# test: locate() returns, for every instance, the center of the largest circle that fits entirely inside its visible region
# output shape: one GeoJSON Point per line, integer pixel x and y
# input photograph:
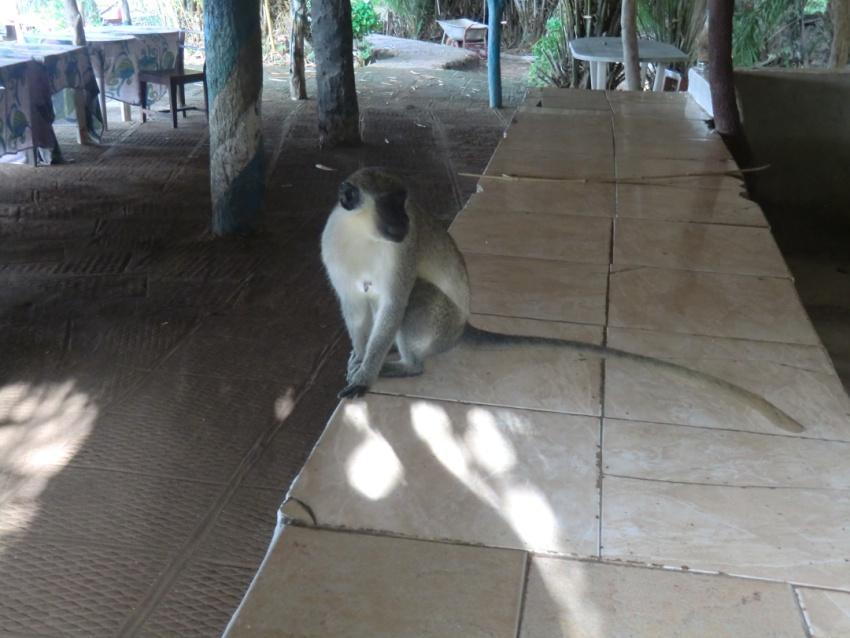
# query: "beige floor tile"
{"type": "Point", "coordinates": [696, 455]}
{"type": "Point", "coordinates": [827, 612]}
{"type": "Point", "coordinates": [721, 305]}
{"type": "Point", "coordinates": [701, 149]}
{"type": "Point", "coordinates": [320, 583]}
{"type": "Point", "coordinates": [527, 159]}
{"type": "Point", "coordinates": [705, 247]}
{"type": "Point", "coordinates": [556, 198]}
{"type": "Point", "coordinates": [664, 111]}
{"type": "Point", "coordinates": [799, 380]}
{"type": "Point", "coordinates": [563, 237]}
{"type": "Point", "coordinates": [537, 288]}
{"type": "Point", "coordinates": [592, 600]}
{"type": "Point", "coordinates": [583, 131]}
{"type": "Point", "coordinates": [785, 534]}
{"type": "Point", "coordinates": [518, 376]}
{"type": "Point", "coordinates": [685, 204]}
{"type": "Point", "coordinates": [655, 128]}
{"type": "Point", "coordinates": [449, 471]}
{"type": "Point", "coordinates": [574, 99]}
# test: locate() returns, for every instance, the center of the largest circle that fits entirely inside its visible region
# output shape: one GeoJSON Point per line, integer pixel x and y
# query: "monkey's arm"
{"type": "Point", "coordinates": [385, 328]}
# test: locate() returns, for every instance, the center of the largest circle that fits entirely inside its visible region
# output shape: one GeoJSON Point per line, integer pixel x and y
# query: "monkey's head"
{"type": "Point", "coordinates": [382, 192]}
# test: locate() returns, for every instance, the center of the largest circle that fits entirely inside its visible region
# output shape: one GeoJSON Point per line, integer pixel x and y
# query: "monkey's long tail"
{"type": "Point", "coordinates": [779, 418]}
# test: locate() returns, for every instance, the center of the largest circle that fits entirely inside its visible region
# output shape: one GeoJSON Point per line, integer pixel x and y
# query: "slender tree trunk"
{"type": "Point", "coordinates": [126, 18]}
{"type": "Point", "coordinates": [333, 43]}
{"type": "Point", "coordinates": [631, 62]}
{"type": "Point", "coordinates": [840, 50]}
{"type": "Point", "coordinates": [721, 76]}
{"type": "Point", "coordinates": [233, 40]}
{"type": "Point", "coordinates": [494, 51]}
{"type": "Point", "coordinates": [75, 21]}
{"type": "Point", "coordinates": [297, 82]}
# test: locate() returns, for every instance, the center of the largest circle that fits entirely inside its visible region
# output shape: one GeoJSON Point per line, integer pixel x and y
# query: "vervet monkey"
{"type": "Point", "coordinates": [401, 280]}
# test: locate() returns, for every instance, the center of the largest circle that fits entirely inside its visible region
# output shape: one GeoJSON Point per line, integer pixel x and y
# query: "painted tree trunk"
{"type": "Point", "coordinates": [235, 80]}
{"type": "Point", "coordinates": [297, 83]}
{"type": "Point", "coordinates": [840, 50]}
{"type": "Point", "coordinates": [721, 76]}
{"type": "Point", "coordinates": [333, 43]}
{"type": "Point", "coordinates": [631, 62]}
{"type": "Point", "coordinates": [126, 18]}
{"type": "Point", "coordinates": [75, 21]}
{"type": "Point", "coordinates": [494, 51]}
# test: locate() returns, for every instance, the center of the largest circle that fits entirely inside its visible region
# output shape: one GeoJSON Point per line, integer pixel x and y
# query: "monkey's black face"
{"type": "Point", "coordinates": [349, 196]}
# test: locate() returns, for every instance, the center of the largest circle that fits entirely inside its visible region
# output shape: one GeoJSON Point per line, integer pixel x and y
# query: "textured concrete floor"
{"type": "Point", "coordinates": [160, 388]}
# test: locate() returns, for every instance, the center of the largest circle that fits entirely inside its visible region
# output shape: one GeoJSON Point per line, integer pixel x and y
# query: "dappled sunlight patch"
{"type": "Point", "coordinates": [373, 468]}
{"type": "Point", "coordinates": [41, 429]}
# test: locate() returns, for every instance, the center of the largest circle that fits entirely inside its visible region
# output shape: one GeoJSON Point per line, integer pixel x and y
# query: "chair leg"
{"type": "Point", "coordinates": [172, 94]}
{"type": "Point", "coordinates": [183, 99]}
{"type": "Point", "coordinates": [143, 100]}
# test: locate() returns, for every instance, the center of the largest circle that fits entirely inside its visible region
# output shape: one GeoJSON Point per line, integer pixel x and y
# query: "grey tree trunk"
{"type": "Point", "coordinates": [840, 50]}
{"type": "Point", "coordinates": [297, 83]}
{"type": "Point", "coordinates": [235, 80]}
{"type": "Point", "coordinates": [75, 21]}
{"type": "Point", "coordinates": [721, 76]}
{"type": "Point", "coordinates": [126, 18]}
{"type": "Point", "coordinates": [628, 22]}
{"type": "Point", "coordinates": [333, 43]}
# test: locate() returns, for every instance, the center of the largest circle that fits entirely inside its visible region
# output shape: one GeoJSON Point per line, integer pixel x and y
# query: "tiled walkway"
{"type": "Point", "coordinates": [542, 492]}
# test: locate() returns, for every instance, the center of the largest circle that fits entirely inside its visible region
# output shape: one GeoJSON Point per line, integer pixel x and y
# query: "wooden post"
{"type": "Point", "coordinates": [721, 76]}
{"type": "Point", "coordinates": [125, 12]}
{"type": "Point", "coordinates": [840, 49]}
{"type": "Point", "coordinates": [75, 21]}
{"type": "Point", "coordinates": [494, 52]}
{"type": "Point", "coordinates": [333, 44]}
{"type": "Point", "coordinates": [297, 82]}
{"type": "Point", "coordinates": [235, 79]}
{"type": "Point", "coordinates": [628, 22]}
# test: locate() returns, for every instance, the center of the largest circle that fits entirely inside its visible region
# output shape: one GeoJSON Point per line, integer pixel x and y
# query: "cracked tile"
{"type": "Point", "coordinates": [828, 612]}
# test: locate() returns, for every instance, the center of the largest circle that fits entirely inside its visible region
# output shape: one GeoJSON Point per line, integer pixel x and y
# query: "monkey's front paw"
{"type": "Point", "coordinates": [352, 391]}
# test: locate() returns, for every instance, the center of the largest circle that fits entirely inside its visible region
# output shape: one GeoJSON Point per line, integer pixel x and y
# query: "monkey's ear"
{"type": "Point", "coordinates": [393, 222]}
{"type": "Point", "coordinates": [349, 196]}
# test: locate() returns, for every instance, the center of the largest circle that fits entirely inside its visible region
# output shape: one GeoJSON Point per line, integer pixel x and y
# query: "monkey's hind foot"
{"type": "Point", "coordinates": [401, 369]}
{"type": "Point", "coordinates": [352, 391]}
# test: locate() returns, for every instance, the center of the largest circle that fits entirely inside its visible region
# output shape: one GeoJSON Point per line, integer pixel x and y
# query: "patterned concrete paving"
{"type": "Point", "coordinates": [160, 389]}
{"type": "Point", "coordinates": [541, 492]}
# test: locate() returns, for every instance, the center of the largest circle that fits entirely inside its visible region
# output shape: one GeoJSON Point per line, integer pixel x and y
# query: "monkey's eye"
{"type": "Point", "coordinates": [349, 196]}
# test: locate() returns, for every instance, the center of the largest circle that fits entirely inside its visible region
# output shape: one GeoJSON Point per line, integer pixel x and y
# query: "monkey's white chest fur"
{"type": "Point", "coordinates": [358, 263]}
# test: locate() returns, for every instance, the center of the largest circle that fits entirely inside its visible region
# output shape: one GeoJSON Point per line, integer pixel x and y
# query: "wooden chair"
{"type": "Point", "coordinates": [176, 80]}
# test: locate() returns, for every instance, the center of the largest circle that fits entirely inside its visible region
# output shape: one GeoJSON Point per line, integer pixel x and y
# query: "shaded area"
{"type": "Point", "coordinates": [161, 388]}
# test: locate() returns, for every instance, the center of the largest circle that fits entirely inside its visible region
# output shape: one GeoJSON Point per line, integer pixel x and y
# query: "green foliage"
{"type": "Point", "coordinates": [51, 13]}
{"type": "Point", "coordinates": [411, 18]}
{"type": "Point", "coordinates": [548, 52]}
{"type": "Point", "coordinates": [679, 22]}
{"type": "Point", "coordinates": [364, 18]}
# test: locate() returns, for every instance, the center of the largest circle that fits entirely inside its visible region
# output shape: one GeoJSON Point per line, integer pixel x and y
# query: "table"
{"type": "Point", "coordinates": [71, 79]}
{"type": "Point", "coordinates": [602, 51]}
{"type": "Point", "coordinates": [118, 54]}
{"type": "Point", "coordinates": [26, 112]}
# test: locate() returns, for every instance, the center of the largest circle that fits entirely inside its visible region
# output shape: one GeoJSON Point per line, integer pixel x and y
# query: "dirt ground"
{"type": "Point", "coordinates": [160, 388]}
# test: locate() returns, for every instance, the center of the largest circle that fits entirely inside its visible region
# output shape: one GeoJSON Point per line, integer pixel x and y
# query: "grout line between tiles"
{"type": "Point", "coordinates": [727, 486]}
{"type": "Point", "coordinates": [804, 615]}
{"type": "Point", "coordinates": [523, 594]}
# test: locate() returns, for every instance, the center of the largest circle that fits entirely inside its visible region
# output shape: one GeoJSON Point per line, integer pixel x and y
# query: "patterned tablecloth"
{"type": "Point", "coordinates": [69, 68]}
{"type": "Point", "coordinates": [120, 52]}
{"type": "Point", "coordinates": [25, 108]}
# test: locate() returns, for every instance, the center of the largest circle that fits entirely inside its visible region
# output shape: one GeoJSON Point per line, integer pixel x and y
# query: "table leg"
{"type": "Point", "coordinates": [643, 68]}
{"type": "Point", "coordinates": [126, 116]}
{"type": "Point", "coordinates": [80, 109]}
{"type": "Point", "coordinates": [102, 81]}
{"type": "Point", "coordinates": [659, 77]}
{"type": "Point", "coordinates": [602, 80]}
{"type": "Point", "coordinates": [593, 73]}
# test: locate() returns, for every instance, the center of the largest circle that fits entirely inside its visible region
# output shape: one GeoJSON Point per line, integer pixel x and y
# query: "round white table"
{"type": "Point", "coordinates": [600, 52]}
